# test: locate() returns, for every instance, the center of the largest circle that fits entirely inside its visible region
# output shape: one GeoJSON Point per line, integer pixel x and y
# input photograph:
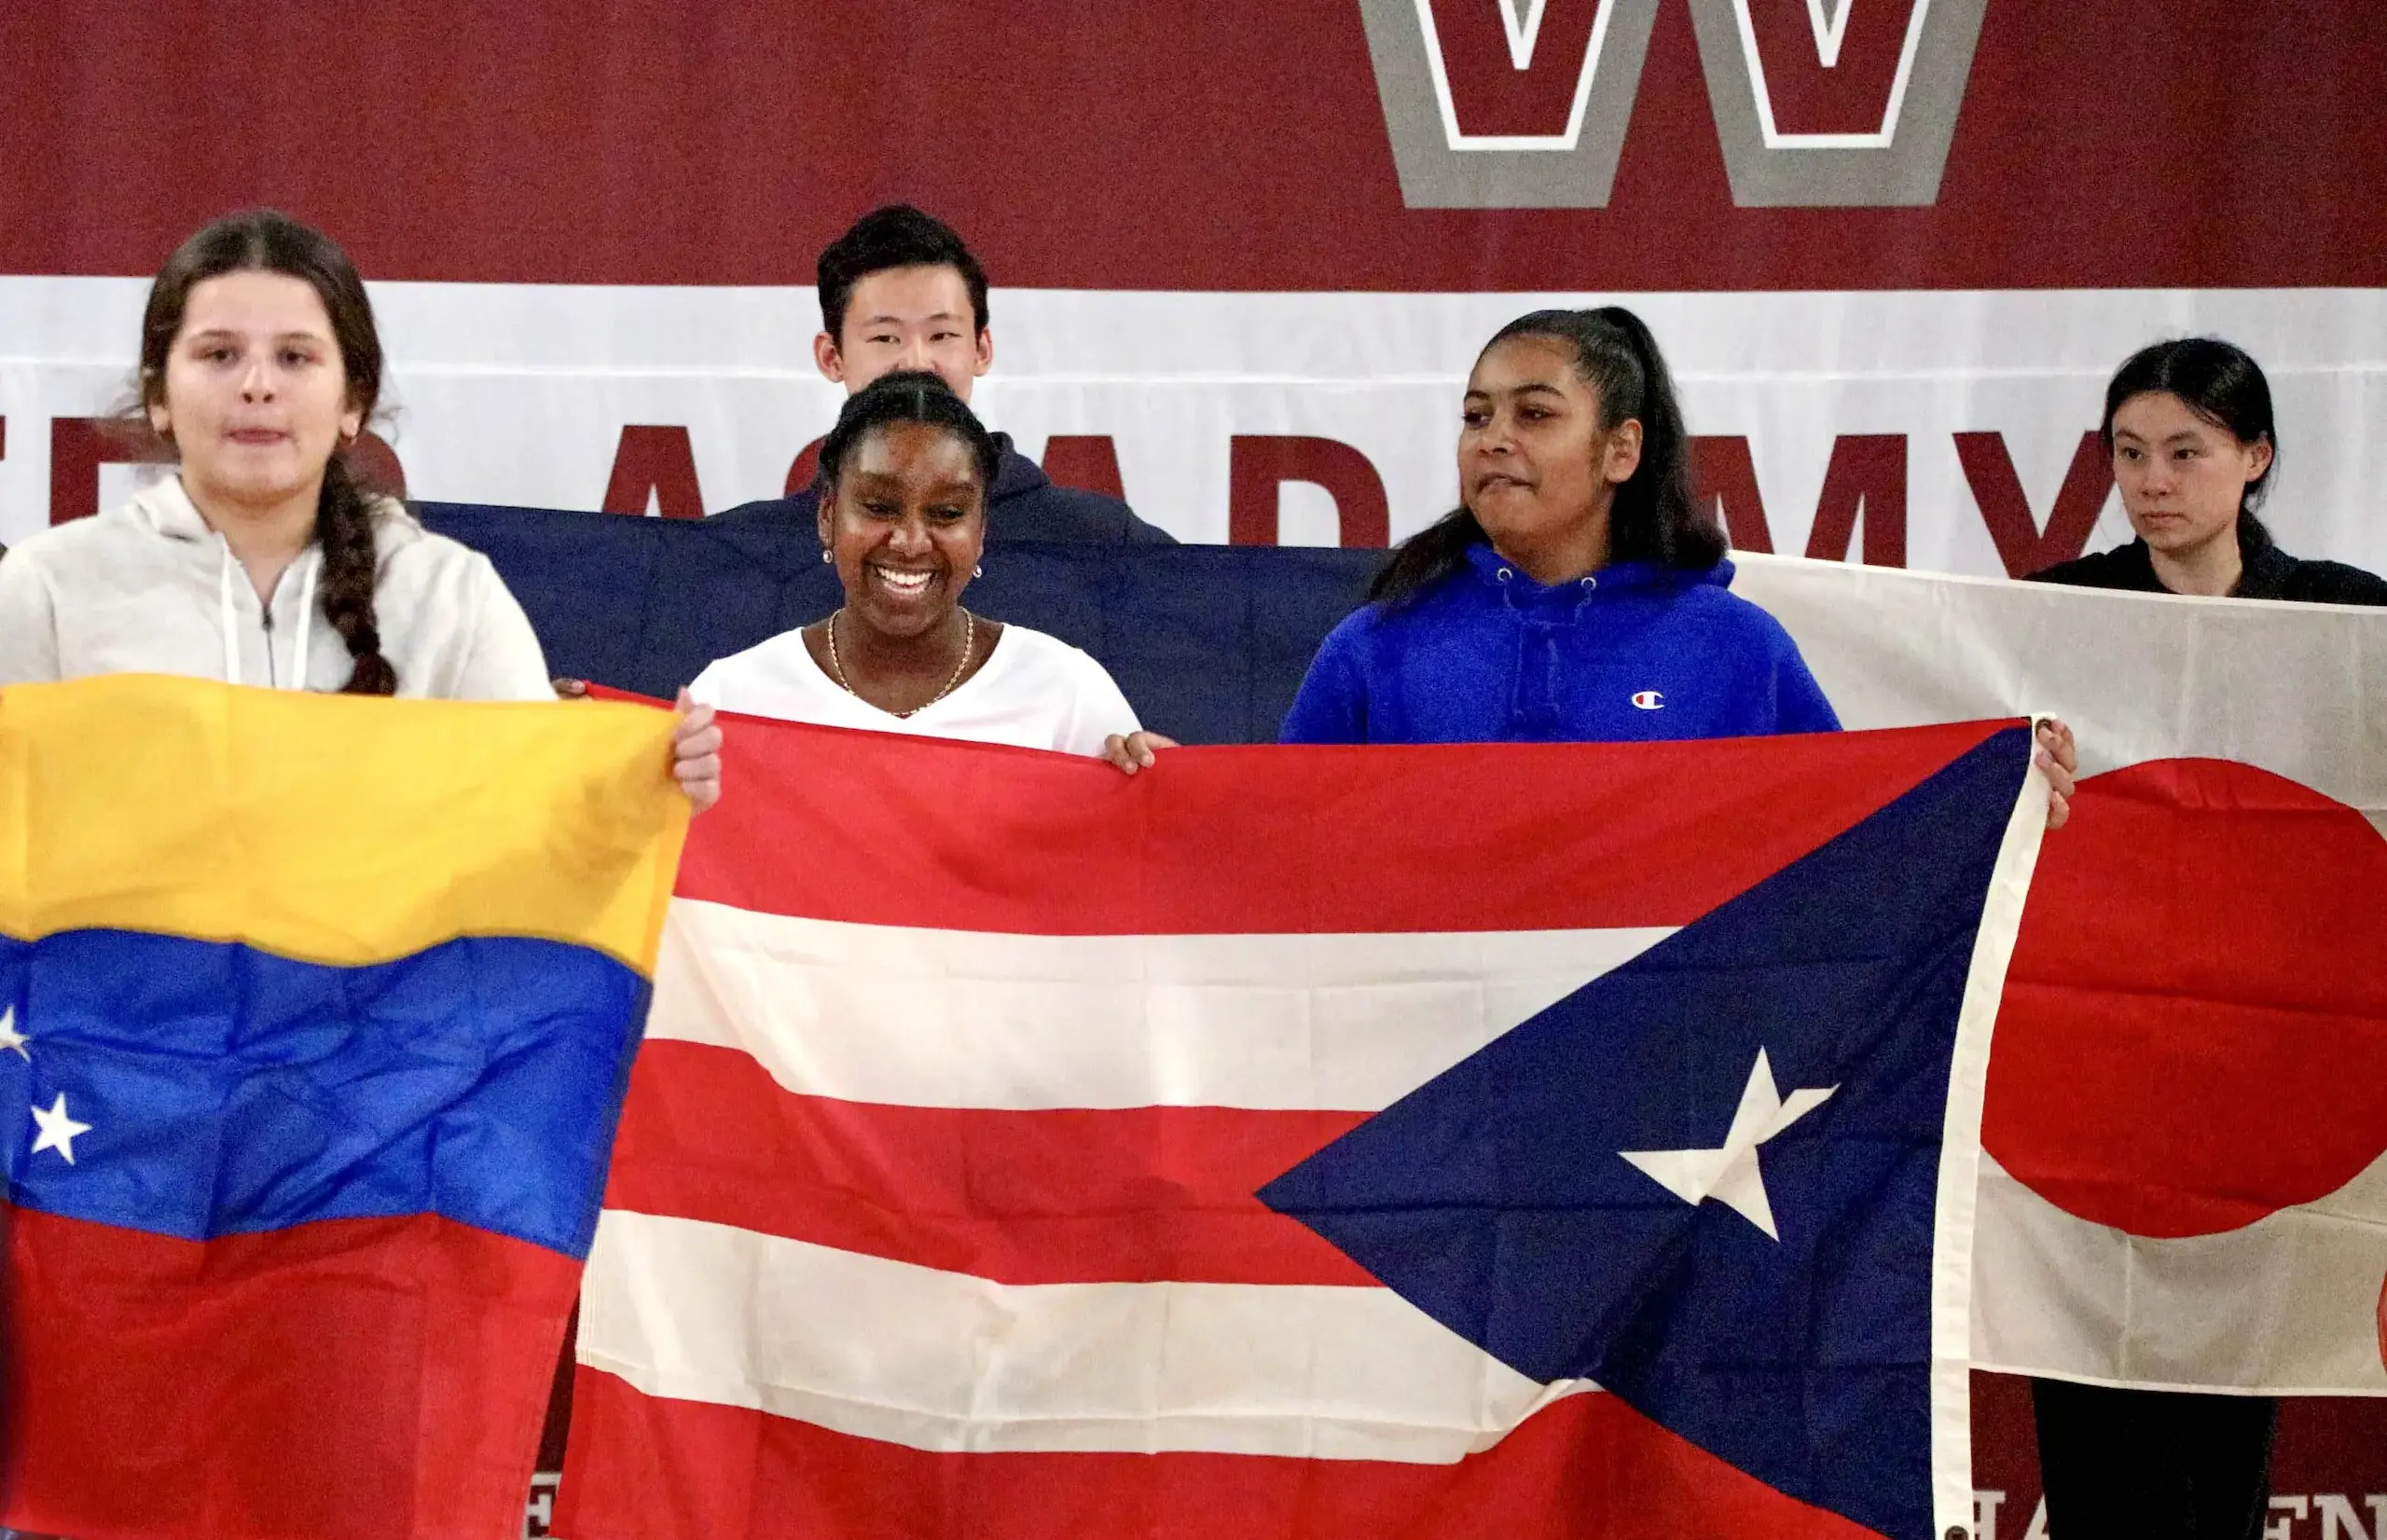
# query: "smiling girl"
{"type": "Point", "coordinates": [902, 517]}
{"type": "Point", "coordinates": [263, 560]}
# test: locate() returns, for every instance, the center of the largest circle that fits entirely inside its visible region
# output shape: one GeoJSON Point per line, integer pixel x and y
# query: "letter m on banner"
{"type": "Point", "coordinates": [1523, 103]}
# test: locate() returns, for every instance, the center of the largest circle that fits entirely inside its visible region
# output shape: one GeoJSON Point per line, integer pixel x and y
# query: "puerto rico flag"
{"type": "Point", "coordinates": [1551, 1140]}
{"type": "Point", "coordinates": [314, 1017]}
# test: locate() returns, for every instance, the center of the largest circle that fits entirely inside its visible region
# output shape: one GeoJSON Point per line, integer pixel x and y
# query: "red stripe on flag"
{"type": "Point", "coordinates": [1134, 1195]}
{"type": "Point", "coordinates": [1586, 1468]}
{"type": "Point", "coordinates": [385, 1376]}
{"type": "Point", "coordinates": [1269, 839]}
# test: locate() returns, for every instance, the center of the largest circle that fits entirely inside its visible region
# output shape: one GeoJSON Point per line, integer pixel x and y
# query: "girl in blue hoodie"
{"type": "Point", "coordinates": [1579, 592]}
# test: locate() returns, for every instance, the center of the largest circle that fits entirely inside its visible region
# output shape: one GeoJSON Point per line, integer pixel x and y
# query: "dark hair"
{"type": "Point", "coordinates": [2220, 383]}
{"type": "Point", "coordinates": [1655, 519]}
{"type": "Point", "coordinates": [896, 236]}
{"type": "Point", "coordinates": [907, 396]}
{"type": "Point", "coordinates": [263, 240]}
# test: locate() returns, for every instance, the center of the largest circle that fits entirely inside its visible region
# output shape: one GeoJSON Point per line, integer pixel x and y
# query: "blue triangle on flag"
{"type": "Point", "coordinates": [1498, 1197]}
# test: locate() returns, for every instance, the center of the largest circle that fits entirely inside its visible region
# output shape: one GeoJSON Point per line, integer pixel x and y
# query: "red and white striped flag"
{"type": "Point", "coordinates": [952, 1192]}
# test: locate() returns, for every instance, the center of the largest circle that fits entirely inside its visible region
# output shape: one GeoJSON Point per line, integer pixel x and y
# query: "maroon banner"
{"type": "Point", "coordinates": [1236, 146]}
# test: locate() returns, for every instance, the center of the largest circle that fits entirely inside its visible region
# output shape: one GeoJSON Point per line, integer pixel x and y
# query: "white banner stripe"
{"type": "Point", "coordinates": [518, 393]}
{"type": "Point", "coordinates": [2058, 1294]}
{"type": "Point", "coordinates": [967, 1018]}
{"type": "Point", "coordinates": [944, 1361]}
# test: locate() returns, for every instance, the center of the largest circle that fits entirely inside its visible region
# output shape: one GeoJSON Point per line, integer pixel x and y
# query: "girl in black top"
{"type": "Point", "coordinates": [2189, 427]}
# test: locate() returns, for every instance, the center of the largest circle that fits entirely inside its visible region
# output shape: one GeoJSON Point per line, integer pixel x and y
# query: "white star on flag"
{"type": "Point", "coordinates": [12, 1038]}
{"type": "Point", "coordinates": [58, 1130]}
{"type": "Point", "coordinates": [1731, 1175]}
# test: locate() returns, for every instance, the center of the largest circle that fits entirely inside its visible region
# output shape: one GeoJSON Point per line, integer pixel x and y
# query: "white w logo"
{"type": "Point", "coordinates": [1546, 132]}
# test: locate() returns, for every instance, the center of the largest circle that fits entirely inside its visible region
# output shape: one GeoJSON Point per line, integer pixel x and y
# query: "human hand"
{"type": "Point", "coordinates": [2059, 760]}
{"type": "Point", "coordinates": [570, 689]}
{"type": "Point", "coordinates": [1133, 751]}
{"type": "Point", "coordinates": [696, 753]}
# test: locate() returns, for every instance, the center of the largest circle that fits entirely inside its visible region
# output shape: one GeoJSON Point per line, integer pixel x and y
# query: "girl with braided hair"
{"type": "Point", "coordinates": [266, 559]}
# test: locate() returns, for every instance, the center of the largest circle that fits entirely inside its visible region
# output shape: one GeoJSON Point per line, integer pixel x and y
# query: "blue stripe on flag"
{"type": "Point", "coordinates": [227, 1090]}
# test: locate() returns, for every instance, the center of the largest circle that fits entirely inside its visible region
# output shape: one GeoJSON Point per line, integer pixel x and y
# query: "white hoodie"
{"type": "Point", "coordinates": [149, 588]}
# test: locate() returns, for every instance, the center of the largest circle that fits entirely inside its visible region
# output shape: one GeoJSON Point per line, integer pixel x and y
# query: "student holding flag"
{"type": "Point", "coordinates": [264, 560]}
{"type": "Point", "coordinates": [1579, 592]}
{"type": "Point", "coordinates": [902, 517]}
{"type": "Point", "coordinates": [2188, 424]}
{"type": "Point", "coordinates": [2194, 443]}
{"type": "Point", "coordinates": [309, 1066]}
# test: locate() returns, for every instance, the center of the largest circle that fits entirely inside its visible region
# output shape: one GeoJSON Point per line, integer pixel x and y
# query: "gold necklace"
{"type": "Point", "coordinates": [969, 640]}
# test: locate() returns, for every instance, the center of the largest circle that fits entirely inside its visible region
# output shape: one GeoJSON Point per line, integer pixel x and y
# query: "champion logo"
{"type": "Point", "coordinates": [1650, 700]}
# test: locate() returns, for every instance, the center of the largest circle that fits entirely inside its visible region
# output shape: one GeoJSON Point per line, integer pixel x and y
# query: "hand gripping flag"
{"type": "Point", "coordinates": [1512, 1141]}
{"type": "Point", "coordinates": [314, 1017]}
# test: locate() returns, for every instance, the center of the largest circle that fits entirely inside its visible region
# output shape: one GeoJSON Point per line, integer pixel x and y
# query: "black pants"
{"type": "Point", "coordinates": [2153, 1464]}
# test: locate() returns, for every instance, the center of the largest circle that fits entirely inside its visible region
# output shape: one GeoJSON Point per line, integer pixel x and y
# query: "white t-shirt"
{"type": "Point", "coordinates": [1033, 692]}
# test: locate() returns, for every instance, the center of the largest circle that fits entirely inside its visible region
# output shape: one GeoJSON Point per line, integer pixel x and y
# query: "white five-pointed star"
{"type": "Point", "coordinates": [1731, 1175]}
{"type": "Point", "coordinates": [12, 1038]}
{"type": "Point", "coordinates": [58, 1130]}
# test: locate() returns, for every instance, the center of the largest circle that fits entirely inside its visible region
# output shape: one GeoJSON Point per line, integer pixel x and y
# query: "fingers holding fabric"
{"type": "Point", "coordinates": [1137, 750]}
{"type": "Point", "coordinates": [696, 753]}
{"type": "Point", "coordinates": [2058, 757]}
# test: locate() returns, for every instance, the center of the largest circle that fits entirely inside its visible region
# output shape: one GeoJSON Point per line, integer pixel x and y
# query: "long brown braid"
{"type": "Point", "coordinates": [344, 527]}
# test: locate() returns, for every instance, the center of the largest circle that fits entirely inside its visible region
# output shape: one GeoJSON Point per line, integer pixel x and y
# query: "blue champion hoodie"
{"type": "Point", "coordinates": [1634, 653]}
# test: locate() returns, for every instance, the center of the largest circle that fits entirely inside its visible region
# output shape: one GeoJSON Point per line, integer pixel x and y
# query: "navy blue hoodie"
{"type": "Point", "coordinates": [1635, 652]}
{"type": "Point", "coordinates": [1023, 505]}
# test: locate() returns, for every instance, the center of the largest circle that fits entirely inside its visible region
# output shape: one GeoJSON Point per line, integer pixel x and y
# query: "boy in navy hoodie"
{"type": "Point", "coordinates": [899, 291]}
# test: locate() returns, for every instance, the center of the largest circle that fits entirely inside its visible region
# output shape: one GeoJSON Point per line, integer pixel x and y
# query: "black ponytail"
{"type": "Point", "coordinates": [1656, 517]}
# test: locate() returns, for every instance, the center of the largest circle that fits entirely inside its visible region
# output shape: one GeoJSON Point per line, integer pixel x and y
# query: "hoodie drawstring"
{"type": "Point", "coordinates": [1534, 697]}
{"type": "Point", "coordinates": [230, 622]}
{"type": "Point", "coordinates": [306, 622]}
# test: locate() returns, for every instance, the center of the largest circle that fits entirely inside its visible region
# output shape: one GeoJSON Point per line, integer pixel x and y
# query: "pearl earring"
{"type": "Point", "coordinates": [825, 555]}
{"type": "Point", "coordinates": [977, 571]}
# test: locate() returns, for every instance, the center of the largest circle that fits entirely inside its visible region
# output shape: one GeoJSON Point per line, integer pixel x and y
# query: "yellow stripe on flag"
{"type": "Point", "coordinates": [333, 828]}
